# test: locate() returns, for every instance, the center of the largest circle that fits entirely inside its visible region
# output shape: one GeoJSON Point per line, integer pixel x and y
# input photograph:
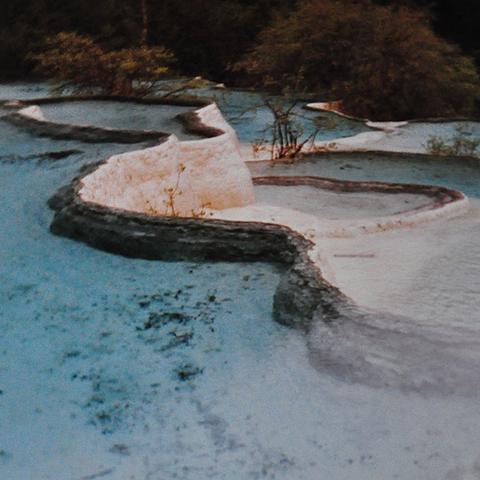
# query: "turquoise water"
{"type": "Point", "coordinates": [442, 287]}
{"type": "Point", "coordinates": [246, 112]}
{"type": "Point", "coordinates": [415, 136]}
{"type": "Point", "coordinates": [447, 172]}
{"type": "Point", "coordinates": [120, 115]}
{"type": "Point", "coordinates": [77, 358]}
{"type": "Point", "coordinates": [128, 369]}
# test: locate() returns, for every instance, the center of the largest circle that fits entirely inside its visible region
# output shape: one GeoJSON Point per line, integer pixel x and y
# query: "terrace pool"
{"type": "Point", "coordinates": [463, 175]}
{"type": "Point", "coordinates": [119, 115]}
{"type": "Point", "coordinates": [336, 205]}
{"type": "Point", "coordinates": [247, 114]}
{"type": "Point", "coordinates": [246, 111]}
{"type": "Point", "coordinates": [430, 273]}
{"type": "Point", "coordinates": [415, 136]}
{"type": "Point", "coordinates": [119, 369]}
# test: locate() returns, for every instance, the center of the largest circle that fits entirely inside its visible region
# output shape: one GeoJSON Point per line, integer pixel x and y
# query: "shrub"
{"type": "Point", "coordinates": [286, 134]}
{"type": "Point", "coordinates": [382, 62]}
{"type": "Point", "coordinates": [458, 145]}
{"type": "Point", "coordinates": [79, 63]}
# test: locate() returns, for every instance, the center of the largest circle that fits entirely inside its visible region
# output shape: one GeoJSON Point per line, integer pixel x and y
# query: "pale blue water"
{"type": "Point", "coordinates": [246, 112]}
{"type": "Point", "coordinates": [63, 303]}
{"type": "Point", "coordinates": [23, 90]}
{"type": "Point", "coordinates": [453, 173]}
{"type": "Point", "coordinates": [120, 115]}
{"type": "Point", "coordinates": [128, 369]}
{"type": "Point", "coordinates": [415, 136]}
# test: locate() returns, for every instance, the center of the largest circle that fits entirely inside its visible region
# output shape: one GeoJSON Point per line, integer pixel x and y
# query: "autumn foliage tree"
{"type": "Point", "coordinates": [206, 36]}
{"type": "Point", "coordinates": [383, 62]}
{"type": "Point", "coordinates": [81, 64]}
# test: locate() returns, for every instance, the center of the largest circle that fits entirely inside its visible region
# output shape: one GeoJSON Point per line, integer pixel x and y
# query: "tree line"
{"type": "Point", "coordinates": [206, 36]}
{"type": "Point", "coordinates": [382, 58]}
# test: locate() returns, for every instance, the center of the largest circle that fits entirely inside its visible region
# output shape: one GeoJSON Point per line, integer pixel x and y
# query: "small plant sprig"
{"type": "Point", "coordinates": [287, 132]}
{"type": "Point", "coordinates": [172, 193]}
{"type": "Point", "coordinates": [284, 138]}
{"type": "Point", "coordinates": [203, 211]}
{"type": "Point", "coordinates": [460, 145]}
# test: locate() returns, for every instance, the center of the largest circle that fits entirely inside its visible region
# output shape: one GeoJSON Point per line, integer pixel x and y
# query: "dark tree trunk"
{"type": "Point", "coordinates": [145, 21]}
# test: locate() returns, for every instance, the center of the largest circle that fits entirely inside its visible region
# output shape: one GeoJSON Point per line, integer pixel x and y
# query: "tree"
{"type": "Point", "coordinates": [382, 62]}
{"type": "Point", "coordinates": [206, 37]}
{"type": "Point", "coordinates": [80, 63]}
{"type": "Point", "coordinates": [145, 20]}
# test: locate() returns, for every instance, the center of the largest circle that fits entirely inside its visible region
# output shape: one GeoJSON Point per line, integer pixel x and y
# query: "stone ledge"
{"type": "Point", "coordinates": [340, 335]}
{"type": "Point", "coordinates": [343, 339]}
{"type": "Point", "coordinates": [90, 133]}
{"type": "Point", "coordinates": [301, 292]}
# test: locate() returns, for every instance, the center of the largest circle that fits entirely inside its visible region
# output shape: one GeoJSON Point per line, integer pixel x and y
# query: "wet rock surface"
{"type": "Point", "coordinates": [98, 134]}
{"type": "Point", "coordinates": [303, 299]}
{"type": "Point", "coordinates": [339, 332]}
{"type": "Point", "coordinates": [164, 238]}
{"type": "Point", "coordinates": [257, 409]}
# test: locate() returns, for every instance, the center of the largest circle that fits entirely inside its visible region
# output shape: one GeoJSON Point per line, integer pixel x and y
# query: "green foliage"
{"type": "Point", "coordinates": [459, 145]}
{"type": "Point", "coordinates": [80, 63]}
{"type": "Point", "coordinates": [382, 62]}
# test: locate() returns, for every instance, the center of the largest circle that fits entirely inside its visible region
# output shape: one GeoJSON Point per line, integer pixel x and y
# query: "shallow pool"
{"type": "Point", "coordinates": [23, 90]}
{"type": "Point", "coordinates": [429, 273]}
{"type": "Point", "coordinates": [415, 136]}
{"type": "Point", "coordinates": [119, 115]}
{"type": "Point", "coordinates": [448, 172]}
{"type": "Point", "coordinates": [128, 369]}
{"type": "Point", "coordinates": [338, 206]}
{"type": "Point", "coordinates": [246, 112]}
{"type": "Point", "coordinates": [252, 120]}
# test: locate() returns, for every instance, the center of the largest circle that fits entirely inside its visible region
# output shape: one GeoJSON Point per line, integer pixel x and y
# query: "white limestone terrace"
{"type": "Point", "coordinates": [209, 178]}
{"type": "Point", "coordinates": [34, 112]}
{"type": "Point", "coordinates": [97, 118]}
{"type": "Point", "coordinates": [406, 136]}
{"type": "Point", "coordinates": [124, 206]}
{"type": "Point", "coordinates": [321, 230]}
{"type": "Point", "coordinates": [191, 175]}
{"type": "Point", "coordinates": [317, 225]}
